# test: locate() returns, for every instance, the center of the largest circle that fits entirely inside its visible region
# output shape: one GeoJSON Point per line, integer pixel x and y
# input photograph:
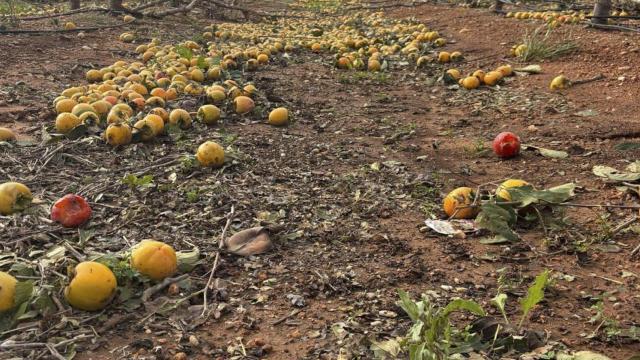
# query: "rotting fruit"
{"type": "Point", "coordinates": [210, 154]}
{"type": "Point", "coordinates": [118, 134]}
{"type": "Point", "coordinates": [502, 190]}
{"type": "Point", "coordinates": [71, 211]}
{"type": "Point", "coordinates": [279, 116]}
{"type": "Point", "coordinates": [154, 259]}
{"type": "Point", "coordinates": [7, 291]}
{"type": "Point", "coordinates": [506, 145]}
{"type": "Point", "coordinates": [7, 134]}
{"type": "Point", "coordinates": [180, 118]}
{"type": "Point", "coordinates": [92, 287]}
{"type": "Point", "coordinates": [457, 201]}
{"type": "Point", "coordinates": [14, 197]}
{"type": "Point", "coordinates": [243, 104]}
{"type": "Point", "coordinates": [208, 114]}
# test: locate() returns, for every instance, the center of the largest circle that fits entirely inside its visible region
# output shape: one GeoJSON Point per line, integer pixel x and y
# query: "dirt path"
{"type": "Point", "coordinates": [354, 231]}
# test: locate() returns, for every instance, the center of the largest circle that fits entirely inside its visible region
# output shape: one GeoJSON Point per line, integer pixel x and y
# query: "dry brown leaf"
{"type": "Point", "coordinates": [249, 242]}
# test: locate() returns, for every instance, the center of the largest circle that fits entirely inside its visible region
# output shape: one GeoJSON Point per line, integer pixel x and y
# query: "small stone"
{"type": "Point", "coordinates": [180, 356]}
{"type": "Point", "coordinates": [388, 314]}
{"type": "Point", "coordinates": [193, 340]}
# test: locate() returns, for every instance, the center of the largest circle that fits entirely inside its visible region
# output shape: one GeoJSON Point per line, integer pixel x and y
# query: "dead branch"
{"type": "Point", "coordinates": [217, 259]}
{"type": "Point", "coordinates": [383, 6]}
{"type": "Point", "coordinates": [584, 81]}
{"type": "Point", "coordinates": [48, 31]}
{"type": "Point", "coordinates": [166, 282]}
{"type": "Point", "coordinates": [148, 5]}
{"type": "Point", "coordinates": [173, 11]}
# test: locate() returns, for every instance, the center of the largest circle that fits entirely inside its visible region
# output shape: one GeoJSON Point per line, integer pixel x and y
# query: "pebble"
{"type": "Point", "coordinates": [193, 340]}
{"type": "Point", "coordinates": [388, 314]}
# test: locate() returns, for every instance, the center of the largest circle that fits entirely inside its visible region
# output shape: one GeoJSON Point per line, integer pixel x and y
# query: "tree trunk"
{"type": "Point", "coordinates": [602, 8]}
{"type": "Point", "coordinates": [75, 4]}
{"type": "Point", "coordinates": [116, 5]}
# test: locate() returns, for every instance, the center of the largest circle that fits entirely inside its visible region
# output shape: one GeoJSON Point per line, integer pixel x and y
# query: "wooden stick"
{"type": "Point", "coordinates": [221, 244]}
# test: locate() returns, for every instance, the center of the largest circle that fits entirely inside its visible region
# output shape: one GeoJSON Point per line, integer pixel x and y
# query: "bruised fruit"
{"type": "Point", "coordinates": [243, 104]}
{"type": "Point", "coordinates": [7, 291]}
{"type": "Point", "coordinates": [208, 114]}
{"type": "Point", "coordinates": [155, 122]}
{"type": "Point", "coordinates": [14, 197]}
{"type": "Point", "coordinates": [143, 130]}
{"type": "Point", "coordinates": [210, 154]}
{"type": "Point", "coordinates": [279, 116]}
{"type": "Point", "coordinates": [71, 211]}
{"type": "Point", "coordinates": [502, 191]}
{"type": "Point", "coordinates": [180, 118]}
{"type": "Point", "coordinates": [154, 259]}
{"type": "Point", "coordinates": [456, 203]}
{"type": "Point", "coordinates": [506, 145]}
{"type": "Point", "coordinates": [92, 287]}
{"type": "Point", "coordinates": [118, 134]}
{"type": "Point", "coordinates": [7, 134]}
{"type": "Point", "coordinates": [65, 122]}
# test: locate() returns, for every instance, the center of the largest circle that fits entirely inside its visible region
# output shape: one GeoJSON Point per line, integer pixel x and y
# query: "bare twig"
{"type": "Point", "coordinates": [624, 225]}
{"type": "Point", "coordinates": [584, 81]}
{"type": "Point", "coordinates": [286, 317]}
{"type": "Point", "coordinates": [55, 352]}
{"type": "Point", "coordinates": [635, 251]}
{"type": "Point", "coordinates": [158, 287]}
{"type": "Point", "coordinates": [217, 259]}
{"type": "Point", "coordinates": [173, 11]}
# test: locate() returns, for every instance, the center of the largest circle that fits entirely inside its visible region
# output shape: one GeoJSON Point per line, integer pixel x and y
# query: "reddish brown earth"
{"type": "Point", "coordinates": [349, 263]}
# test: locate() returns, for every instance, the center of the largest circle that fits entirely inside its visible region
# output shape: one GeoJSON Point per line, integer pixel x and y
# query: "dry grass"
{"type": "Point", "coordinates": [540, 46]}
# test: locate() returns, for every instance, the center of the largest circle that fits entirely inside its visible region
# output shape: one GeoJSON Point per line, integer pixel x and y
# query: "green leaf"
{"type": "Point", "coordinates": [535, 294]}
{"type": "Point", "coordinates": [527, 195]}
{"type": "Point", "coordinates": [134, 181]}
{"type": "Point", "coordinates": [500, 301]}
{"type": "Point", "coordinates": [461, 304]}
{"type": "Point", "coordinates": [184, 52]}
{"type": "Point", "coordinates": [202, 64]}
{"type": "Point", "coordinates": [496, 219]}
{"type": "Point", "coordinates": [24, 290]}
{"type": "Point", "coordinates": [408, 305]}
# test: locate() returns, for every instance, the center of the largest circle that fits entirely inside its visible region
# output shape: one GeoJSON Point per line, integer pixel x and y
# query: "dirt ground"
{"type": "Point", "coordinates": [353, 235]}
